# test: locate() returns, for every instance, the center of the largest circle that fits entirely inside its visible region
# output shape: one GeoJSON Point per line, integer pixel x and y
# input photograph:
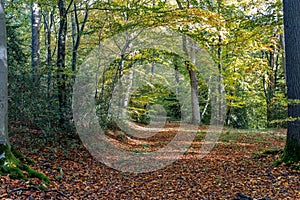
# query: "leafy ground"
{"type": "Point", "coordinates": [236, 164]}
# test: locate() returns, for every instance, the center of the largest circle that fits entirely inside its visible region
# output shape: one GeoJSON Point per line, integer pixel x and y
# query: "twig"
{"type": "Point", "coordinates": [241, 196]}
{"type": "Point", "coordinates": [35, 188]}
{"type": "Point", "coordinates": [59, 192]}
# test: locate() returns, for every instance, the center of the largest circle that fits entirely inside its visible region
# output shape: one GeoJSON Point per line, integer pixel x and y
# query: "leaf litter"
{"type": "Point", "coordinates": [235, 166]}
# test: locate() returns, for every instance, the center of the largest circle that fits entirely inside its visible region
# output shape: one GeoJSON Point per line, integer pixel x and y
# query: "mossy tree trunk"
{"type": "Point", "coordinates": [3, 78]}
{"type": "Point", "coordinates": [292, 46]}
{"type": "Point", "coordinates": [9, 163]}
{"type": "Point", "coordinates": [17, 166]}
{"type": "Point", "coordinates": [4, 144]}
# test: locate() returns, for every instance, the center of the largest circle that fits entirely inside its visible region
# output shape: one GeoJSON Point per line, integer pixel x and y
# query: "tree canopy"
{"type": "Point", "coordinates": [130, 67]}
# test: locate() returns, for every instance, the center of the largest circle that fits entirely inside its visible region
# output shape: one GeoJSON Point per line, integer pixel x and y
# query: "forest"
{"type": "Point", "coordinates": [150, 99]}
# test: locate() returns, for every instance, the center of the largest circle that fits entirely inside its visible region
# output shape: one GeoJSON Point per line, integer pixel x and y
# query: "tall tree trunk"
{"type": "Point", "coordinates": [3, 79]}
{"type": "Point", "coordinates": [48, 23]}
{"type": "Point", "coordinates": [176, 75]}
{"type": "Point", "coordinates": [207, 101]}
{"type": "Point", "coordinates": [121, 86]}
{"type": "Point", "coordinates": [193, 76]}
{"type": "Point", "coordinates": [61, 56]}
{"type": "Point", "coordinates": [77, 33]}
{"type": "Point", "coordinates": [35, 41]}
{"type": "Point", "coordinates": [271, 80]}
{"type": "Point", "coordinates": [128, 83]}
{"type": "Point", "coordinates": [218, 97]}
{"type": "Point", "coordinates": [282, 44]}
{"type": "Point", "coordinates": [193, 80]}
{"type": "Point", "coordinates": [292, 45]}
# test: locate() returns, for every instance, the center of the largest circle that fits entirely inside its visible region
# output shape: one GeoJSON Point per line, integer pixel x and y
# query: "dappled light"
{"type": "Point", "coordinates": [157, 99]}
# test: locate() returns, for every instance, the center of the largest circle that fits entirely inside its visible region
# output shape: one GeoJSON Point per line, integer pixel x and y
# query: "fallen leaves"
{"type": "Point", "coordinates": [229, 169]}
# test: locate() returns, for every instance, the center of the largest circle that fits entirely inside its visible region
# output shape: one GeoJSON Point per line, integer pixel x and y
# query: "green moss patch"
{"type": "Point", "coordinates": [15, 167]}
{"type": "Point", "coordinates": [291, 152]}
{"type": "Point", "coordinates": [21, 157]}
{"type": "Point", "coordinates": [272, 151]}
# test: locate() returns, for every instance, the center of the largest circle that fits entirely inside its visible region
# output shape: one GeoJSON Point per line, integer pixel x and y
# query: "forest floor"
{"type": "Point", "coordinates": [235, 165]}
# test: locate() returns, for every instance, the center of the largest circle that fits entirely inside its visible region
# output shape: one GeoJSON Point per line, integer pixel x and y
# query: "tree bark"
{"type": "Point", "coordinates": [6, 154]}
{"type": "Point", "coordinates": [292, 44]}
{"type": "Point", "coordinates": [77, 33]}
{"type": "Point", "coordinates": [35, 41]}
{"type": "Point", "coordinates": [61, 64]}
{"type": "Point", "coordinates": [48, 23]}
{"type": "Point", "coordinates": [3, 78]}
{"type": "Point", "coordinates": [271, 80]}
{"type": "Point", "coordinates": [193, 81]}
{"type": "Point", "coordinates": [193, 76]}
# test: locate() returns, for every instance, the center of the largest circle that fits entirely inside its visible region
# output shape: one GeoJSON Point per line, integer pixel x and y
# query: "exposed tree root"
{"type": "Point", "coordinates": [32, 188]}
{"type": "Point", "coordinates": [17, 166]}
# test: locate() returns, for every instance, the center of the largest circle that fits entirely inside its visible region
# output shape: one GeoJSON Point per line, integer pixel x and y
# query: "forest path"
{"type": "Point", "coordinates": [236, 164]}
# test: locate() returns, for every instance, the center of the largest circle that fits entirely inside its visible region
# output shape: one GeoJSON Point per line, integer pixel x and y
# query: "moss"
{"type": "Point", "coordinates": [21, 157]}
{"type": "Point", "coordinates": [291, 155]}
{"type": "Point", "coordinates": [8, 158]}
{"type": "Point", "coordinates": [42, 187]}
{"type": "Point", "coordinates": [276, 163]}
{"type": "Point", "coordinates": [272, 151]}
{"type": "Point", "coordinates": [12, 165]}
{"type": "Point", "coordinates": [14, 172]}
{"type": "Point", "coordinates": [34, 174]}
{"type": "Point", "coordinates": [9, 164]}
{"type": "Point", "coordinates": [291, 152]}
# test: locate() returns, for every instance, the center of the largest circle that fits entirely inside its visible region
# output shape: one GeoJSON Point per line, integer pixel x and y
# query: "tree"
{"type": "Point", "coordinates": [193, 78]}
{"type": "Point", "coordinates": [8, 162]}
{"type": "Point", "coordinates": [193, 81]}
{"type": "Point", "coordinates": [77, 32]}
{"type": "Point", "coordinates": [61, 62]}
{"type": "Point", "coordinates": [3, 79]}
{"type": "Point", "coordinates": [292, 46]}
{"type": "Point", "coordinates": [48, 26]}
{"type": "Point", "coordinates": [35, 40]}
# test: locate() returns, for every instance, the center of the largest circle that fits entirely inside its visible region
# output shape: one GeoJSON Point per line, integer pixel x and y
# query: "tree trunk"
{"type": "Point", "coordinates": [77, 33]}
{"type": "Point", "coordinates": [193, 76]}
{"type": "Point", "coordinates": [194, 97]}
{"type": "Point", "coordinates": [3, 79]}
{"type": "Point", "coordinates": [128, 83]}
{"type": "Point", "coordinates": [48, 23]}
{"type": "Point", "coordinates": [35, 41]}
{"type": "Point", "coordinates": [61, 55]}
{"type": "Point", "coordinates": [292, 44]}
{"type": "Point", "coordinates": [282, 42]}
{"type": "Point", "coordinates": [193, 80]}
{"type": "Point", "coordinates": [270, 81]}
